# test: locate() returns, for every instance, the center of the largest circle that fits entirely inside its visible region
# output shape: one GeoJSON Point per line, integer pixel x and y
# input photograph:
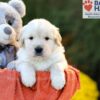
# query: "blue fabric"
{"type": "Point", "coordinates": [3, 59]}
{"type": "Point", "coordinates": [6, 56]}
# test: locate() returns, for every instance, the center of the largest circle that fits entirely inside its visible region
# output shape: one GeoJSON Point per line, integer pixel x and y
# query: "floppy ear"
{"type": "Point", "coordinates": [19, 6]}
{"type": "Point", "coordinates": [58, 37]}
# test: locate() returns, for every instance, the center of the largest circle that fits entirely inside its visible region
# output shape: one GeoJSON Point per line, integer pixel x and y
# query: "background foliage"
{"type": "Point", "coordinates": [81, 37]}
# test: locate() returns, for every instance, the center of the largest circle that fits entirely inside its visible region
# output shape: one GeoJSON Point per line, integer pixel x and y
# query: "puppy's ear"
{"type": "Point", "coordinates": [58, 38]}
{"type": "Point", "coordinates": [19, 6]}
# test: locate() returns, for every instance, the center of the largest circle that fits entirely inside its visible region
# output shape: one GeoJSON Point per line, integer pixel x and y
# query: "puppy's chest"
{"type": "Point", "coordinates": [41, 66]}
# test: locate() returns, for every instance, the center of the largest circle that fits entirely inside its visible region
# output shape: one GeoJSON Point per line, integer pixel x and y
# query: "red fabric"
{"type": "Point", "coordinates": [12, 89]}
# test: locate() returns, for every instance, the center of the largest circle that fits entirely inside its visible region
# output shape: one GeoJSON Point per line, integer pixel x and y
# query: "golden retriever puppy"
{"type": "Point", "coordinates": [41, 50]}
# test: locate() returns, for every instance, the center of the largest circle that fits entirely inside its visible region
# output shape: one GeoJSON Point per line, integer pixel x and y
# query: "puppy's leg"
{"type": "Point", "coordinates": [57, 76]}
{"type": "Point", "coordinates": [27, 74]}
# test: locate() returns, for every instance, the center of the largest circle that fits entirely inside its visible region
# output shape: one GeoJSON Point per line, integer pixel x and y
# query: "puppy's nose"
{"type": "Point", "coordinates": [38, 50]}
{"type": "Point", "coordinates": [7, 30]}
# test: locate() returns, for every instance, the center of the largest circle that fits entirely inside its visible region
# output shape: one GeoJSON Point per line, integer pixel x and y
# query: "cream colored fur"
{"type": "Point", "coordinates": [52, 58]}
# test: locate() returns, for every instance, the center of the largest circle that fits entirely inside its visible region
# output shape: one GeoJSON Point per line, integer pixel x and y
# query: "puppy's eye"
{"type": "Point", "coordinates": [47, 38]}
{"type": "Point", "coordinates": [31, 38]}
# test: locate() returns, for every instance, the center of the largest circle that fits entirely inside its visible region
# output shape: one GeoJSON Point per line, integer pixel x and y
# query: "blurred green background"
{"type": "Point", "coordinates": [81, 37]}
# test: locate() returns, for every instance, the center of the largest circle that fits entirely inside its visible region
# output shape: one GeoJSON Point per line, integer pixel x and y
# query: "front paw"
{"type": "Point", "coordinates": [58, 82]}
{"type": "Point", "coordinates": [28, 79]}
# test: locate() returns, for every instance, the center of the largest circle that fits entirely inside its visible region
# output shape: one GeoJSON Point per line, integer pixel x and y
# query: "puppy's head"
{"type": "Point", "coordinates": [40, 38]}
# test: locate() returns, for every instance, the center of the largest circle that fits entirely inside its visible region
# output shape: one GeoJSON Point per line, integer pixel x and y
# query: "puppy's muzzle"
{"type": "Point", "coordinates": [38, 51]}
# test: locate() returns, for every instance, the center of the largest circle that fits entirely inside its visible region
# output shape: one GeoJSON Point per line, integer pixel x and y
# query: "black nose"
{"type": "Point", "coordinates": [7, 30]}
{"type": "Point", "coordinates": [38, 50]}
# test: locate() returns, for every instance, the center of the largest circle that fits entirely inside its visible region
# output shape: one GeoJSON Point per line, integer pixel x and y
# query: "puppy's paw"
{"type": "Point", "coordinates": [28, 79]}
{"type": "Point", "coordinates": [58, 82]}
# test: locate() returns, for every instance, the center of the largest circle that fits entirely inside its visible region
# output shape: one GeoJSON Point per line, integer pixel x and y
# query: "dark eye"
{"type": "Point", "coordinates": [31, 38]}
{"type": "Point", "coordinates": [47, 38]}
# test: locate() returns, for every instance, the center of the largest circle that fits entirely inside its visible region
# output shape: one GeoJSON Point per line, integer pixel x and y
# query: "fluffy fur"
{"type": "Point", "coordinates": [41, 33]}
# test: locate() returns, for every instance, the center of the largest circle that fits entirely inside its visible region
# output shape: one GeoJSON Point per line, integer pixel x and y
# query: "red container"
{"type": "Point", "coordinates": [11, 87]}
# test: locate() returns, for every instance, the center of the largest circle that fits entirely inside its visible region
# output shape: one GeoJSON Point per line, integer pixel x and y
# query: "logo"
{"type": "Point", "coordinates": [91, 9]}
{"type": "Point", "coordinates": [88, 5]}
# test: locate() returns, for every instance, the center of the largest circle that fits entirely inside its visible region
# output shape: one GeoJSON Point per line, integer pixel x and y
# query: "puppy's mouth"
{"type": "Point", "coordinates": [38, 55]}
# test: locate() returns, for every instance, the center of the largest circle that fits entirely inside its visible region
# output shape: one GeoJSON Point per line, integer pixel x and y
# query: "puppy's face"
{"type": "Point", "coordinates": [40, 38]}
